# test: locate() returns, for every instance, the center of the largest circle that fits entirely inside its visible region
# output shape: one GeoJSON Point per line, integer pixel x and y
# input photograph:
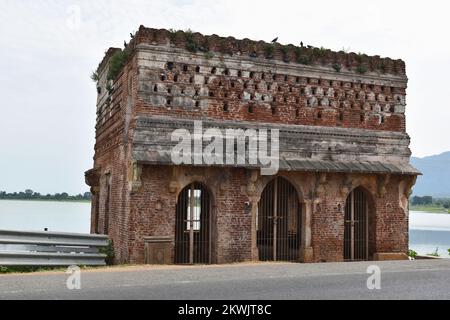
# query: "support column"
{"type": "Point", "coordinates": [254, 212]}
{"type": "Point", "coordinates": [306, 250]}
{"type": "Point", "coordinates": [254, 200]}
{"type": "Point", "coordinates": [95, 209]}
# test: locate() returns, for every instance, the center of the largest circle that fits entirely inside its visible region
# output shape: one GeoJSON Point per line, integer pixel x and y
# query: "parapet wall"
{"type": "Point", "coordinates": [191, 76]}
{"type": "Point", "coordinates": [305, 55]}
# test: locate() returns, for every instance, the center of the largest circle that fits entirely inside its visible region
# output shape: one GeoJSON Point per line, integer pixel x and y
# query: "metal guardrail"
{"type": "Point", "coordinates": [23, 248]}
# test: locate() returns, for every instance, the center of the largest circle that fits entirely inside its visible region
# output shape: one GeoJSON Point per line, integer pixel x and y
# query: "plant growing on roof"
{"type": "Point", "coordinates": [204, 47]}
{"type": "Point", "coordinates": [117, 62]}
{"type": "Point", "coordinates": [285, 50]}
{"type": "Point", "coordinates": [306, 60]}
{"type": "Point", "coordinates": [361, 69]}
{"type": "Point", "coordinates": [302, 57]}
{"type": "Point", "coordinates": [109, 88]}
{"type": "Point", "coordinates": [359, 57]}
{"type": "Point", "coordinates": [382, 67]}
{"type": "Point", "coordinates": [268, 51]}
{"type": "Point", "coordinates": [322, 51]}
{"type": "Point", "coordinates": [94, 76]}
{"type": "Point", "coordinates": [172, 34]}
{"type": "Point", "coordinates": [191, 44]}
{"type": "Point", "coordinates": [337, 67]}
{"type": "Point", "coordinates": [209, 55]}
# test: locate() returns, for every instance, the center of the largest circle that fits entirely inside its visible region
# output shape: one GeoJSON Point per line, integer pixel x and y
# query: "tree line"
{"type": "Point", "coordinates": [31, 195]}
{"type": "Point", "coordinates": [429, 200]}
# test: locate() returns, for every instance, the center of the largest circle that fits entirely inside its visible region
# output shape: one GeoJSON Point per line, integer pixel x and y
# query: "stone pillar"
{"type": "Point", "coordinates": [92, 179]}
{"type": "Point", "coordinates": [254, 203]}
{"type": "Point", "coordinates": [306, 250]}
{"type": "Point", "coordinates": [95, 209]}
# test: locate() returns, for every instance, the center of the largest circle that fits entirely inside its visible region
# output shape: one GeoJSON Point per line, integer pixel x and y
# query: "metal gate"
{"type": "Point", "coordinates": [279, 222]}
{"type": "Point", "coordinates": [356, 227]}
{"type": "Point", "coordinates": [193, 227]}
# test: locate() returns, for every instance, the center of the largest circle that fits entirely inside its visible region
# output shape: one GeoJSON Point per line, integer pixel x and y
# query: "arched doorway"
{"type": "Point", "coordinates": [279, 222]}
{"type": "Point", "coordinates": [193, 226]}
{"type": "Point", "coordinates": [356, 231]}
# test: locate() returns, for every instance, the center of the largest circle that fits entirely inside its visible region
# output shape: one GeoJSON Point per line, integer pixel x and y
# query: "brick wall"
{"type": "Point", "coordinates": [153, 211]}
{"type": "Point", "coordinates": [192, 76]}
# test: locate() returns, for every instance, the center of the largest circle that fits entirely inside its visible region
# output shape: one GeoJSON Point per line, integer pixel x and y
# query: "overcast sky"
{"type": "Point", "coordinates": [49, 48]}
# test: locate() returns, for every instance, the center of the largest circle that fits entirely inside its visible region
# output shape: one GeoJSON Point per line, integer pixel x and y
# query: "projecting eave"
{"type": "Point", "coordinates": [155, 157]}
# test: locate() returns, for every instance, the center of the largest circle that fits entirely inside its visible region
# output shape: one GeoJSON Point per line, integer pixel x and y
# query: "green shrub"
{"type": "Point", "coordinates": [435, 253]}
{"type": "Point", "coordinates": [383, 68]}
{"type": "Point", "coordinates": [109, 252]}
{"type": "Point", "coordinates": [268, 51]}
{"type": "Point", "coordinates": [337, 67]}
{"type": "Point", "coordinates": [95, 77]}
{"type": "Point", "coordinates": [321, 52]}
{"type": "Point", "coordinates": [173, 33]}
{"type": "Point", "coordinates": [209, 55]}
{"type": "Point", "coordinates": [301, 56]}
{"type": "Point", "coordinates": [109, 88]}
{"type": "Point", "coordinates": [191, 45]}
{"type": "Point", "coordinates": [412, 254]}
{"type": "Point", "coordinates": [361, 69]}
{"type": "Point", "coordinates": [25, 269]}
{"type": "Point", "coordinates": [117, 62]}
{"type": "Point", "coordinates": [306, 60]}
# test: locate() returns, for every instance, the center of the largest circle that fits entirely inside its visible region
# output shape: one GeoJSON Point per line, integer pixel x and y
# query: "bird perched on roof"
{"type": "Point", "coordinates": [310, 47]}
{"type": "Point", "coordinates": [131, 35]}
{"type": "Point", "coordinates": [125, 44]}
{"type": "Point", "coordinates": [301, 44]}
{"type": "Point", "coordinates": [275, 40]}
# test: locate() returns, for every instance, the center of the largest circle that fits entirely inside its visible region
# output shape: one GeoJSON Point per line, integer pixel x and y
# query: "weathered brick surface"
{"type": "Point", "coordinates": [237, 80]}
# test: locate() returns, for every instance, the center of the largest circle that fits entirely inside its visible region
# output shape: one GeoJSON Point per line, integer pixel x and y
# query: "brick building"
{"type": "Point", "coordinates": [342, 189]}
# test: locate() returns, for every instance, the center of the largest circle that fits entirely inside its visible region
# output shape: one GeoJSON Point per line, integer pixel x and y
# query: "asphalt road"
{"type": "Point", "coordinates": [426, 279]}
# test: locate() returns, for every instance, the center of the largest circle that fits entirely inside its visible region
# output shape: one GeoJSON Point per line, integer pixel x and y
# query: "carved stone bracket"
{"type": "Point", "coordinates": [409, 186]}
{"type": "Point", "coordinates": [321, 181]}
{"type": "Point", "coordinates": [134, 176]}
{"type": "Point", "coordinates": [251, 187]}
{"type": "Point", "coordinates": [347, 185]}
{"type": "Point", "coordinates": [174, 184]}
{"type": "Point", "coordinates": [405, 190]}
{"type": "Point", "coordinates": [92, 178]}
{"type": "Point", "coordinates": [382, 182]}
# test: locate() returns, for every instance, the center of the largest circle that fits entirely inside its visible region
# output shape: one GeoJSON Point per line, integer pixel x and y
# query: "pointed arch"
{"type": "Point", "coordinates": [359, 225]}
{"type": "Point", "coordinates": [193, 225]}
{"type": "Point", "coordinates": [279, 222]}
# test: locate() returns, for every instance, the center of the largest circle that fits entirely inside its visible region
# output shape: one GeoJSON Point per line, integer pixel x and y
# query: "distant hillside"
{"type": "Point", "coordinates": [436, 175]}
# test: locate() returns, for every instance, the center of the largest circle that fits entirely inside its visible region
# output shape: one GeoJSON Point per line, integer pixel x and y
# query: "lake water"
{"type": "Point", "coordinates": [38, 215]}
{"type": "Point", "coordinates": [428, 231]}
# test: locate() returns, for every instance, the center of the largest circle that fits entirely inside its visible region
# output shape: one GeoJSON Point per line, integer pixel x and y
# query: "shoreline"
{"type": "Point", "coordinates": [437, 210]}
{"type": "Point", "coordinates": [49, 200]}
